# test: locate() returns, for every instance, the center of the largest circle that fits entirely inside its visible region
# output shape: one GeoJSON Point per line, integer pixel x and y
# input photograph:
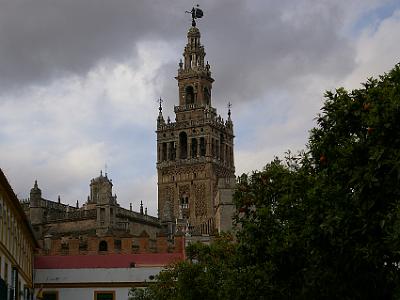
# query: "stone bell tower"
{"type": "Point", "coordinates": [196, 150]}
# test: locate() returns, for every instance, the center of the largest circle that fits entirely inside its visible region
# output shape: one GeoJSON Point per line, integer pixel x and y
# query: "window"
{"type": "Point", "coordinates": [14, 283]}
{"type": "Point", "coordinates": [206, 96]}
{"type": "Point", "coordinates": [202, 146]}
{"type": "Point", "coordinates": [6, 273]}
{"type": "Point", "coordinates": [50, 295]}
{"type": "Point", "coordinates": [183, 145]}
{"type": "Point", "coordinates": [117, 245]}
{"type": "Point", "coordinates": [194, 147]}
{"type": "Point", "coordinates": [103, 246]}
{"type": "Point", "coordinates": [164, 152]}
{"type": "Point", "coordinates": [102, 214]}
{"type": "Point", "coordinates": [189, 97]}
{"type": "Point", "coordinates": [104, 295]}
{"type": "Point", "coordinates": [172, 151]}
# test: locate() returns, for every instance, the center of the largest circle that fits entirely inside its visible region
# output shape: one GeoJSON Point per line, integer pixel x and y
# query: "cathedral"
{"type": "Point", "coordinates": [196, 177]}
{"type": "Point", "coordinates": [100, 250]}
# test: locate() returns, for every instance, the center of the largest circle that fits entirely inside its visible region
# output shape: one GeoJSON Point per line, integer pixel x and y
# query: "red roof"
{"type": "Point", "coordinates": [106, 261]}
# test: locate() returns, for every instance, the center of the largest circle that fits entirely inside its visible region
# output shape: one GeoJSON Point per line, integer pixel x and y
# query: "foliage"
{"type": "Point", "coordinates": [140, 294]}
{"type": "Point", "coordinates": [323, 224]}
{"type": "Point", "coordinates": [196, 278]}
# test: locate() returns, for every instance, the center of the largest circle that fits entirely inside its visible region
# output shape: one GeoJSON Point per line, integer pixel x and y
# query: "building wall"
{"type": "Point", "coordinates": [87, 293]}
{"type": "Point", "coordinates": [83, 283]}
{"type": "Point", "coordinates": [17, 244]}
{"type": "Point", "coordinates": [225, 208]}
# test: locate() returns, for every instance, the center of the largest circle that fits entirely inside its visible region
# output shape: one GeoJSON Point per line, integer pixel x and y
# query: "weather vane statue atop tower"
{"type": "Point", "coordinates": [197, 13]}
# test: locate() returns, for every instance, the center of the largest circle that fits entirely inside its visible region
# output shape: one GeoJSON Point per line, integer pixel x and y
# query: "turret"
{"type": "Point", "coordinates": [36, 211]}
{"type": "Point", "coordinates": [101, 190]}
{"type": "Point", "coordinates": [106, 203]}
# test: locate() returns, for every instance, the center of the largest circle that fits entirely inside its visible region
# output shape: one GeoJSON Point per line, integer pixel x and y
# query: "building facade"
{"type": "Point", "coordinates": [97, 277]}
{"type": "Point", "coordinates": [196, 151]}
{"type": "Point", "coordinates": [17, 246]}
{"type": "Point", "coordinates": [100, 225]}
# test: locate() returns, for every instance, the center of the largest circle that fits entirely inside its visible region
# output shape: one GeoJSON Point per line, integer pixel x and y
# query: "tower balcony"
{"type": "Point", "coordinates": [194, 160]}
{"type": "Point", "coordinates": [195, 71]}
{"type": "Point", "coordinates": [213, 121]}
{"type": "Point", "coordinates": [187, 107]}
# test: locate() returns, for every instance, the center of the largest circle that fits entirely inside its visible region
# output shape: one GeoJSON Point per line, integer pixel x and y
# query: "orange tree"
{"type": "Point", "coordinates": [326, 224]}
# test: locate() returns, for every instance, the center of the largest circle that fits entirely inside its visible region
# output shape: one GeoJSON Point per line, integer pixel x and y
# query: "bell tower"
{"type": "Point", "coordinates": [196, 150]}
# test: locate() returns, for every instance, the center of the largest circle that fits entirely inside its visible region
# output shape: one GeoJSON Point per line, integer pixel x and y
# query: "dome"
{"type": "Point", "coordinates": [193, 32]}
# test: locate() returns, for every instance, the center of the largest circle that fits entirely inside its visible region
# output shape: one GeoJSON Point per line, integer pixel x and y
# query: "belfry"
{"type": "Point", "coordinates": [195, 153]}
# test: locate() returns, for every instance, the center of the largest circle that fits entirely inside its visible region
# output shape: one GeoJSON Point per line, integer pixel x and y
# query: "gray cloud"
{"type": "Point", "coordinates": [86, 75]}
{"type": "Point", "coordinates": [254, 46]}
{"type": "Point", "coordinates": [44, 39]}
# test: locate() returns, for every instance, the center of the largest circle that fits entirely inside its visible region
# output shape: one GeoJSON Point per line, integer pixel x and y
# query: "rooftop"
{"type": "Point", "coordinates": [106, 261]}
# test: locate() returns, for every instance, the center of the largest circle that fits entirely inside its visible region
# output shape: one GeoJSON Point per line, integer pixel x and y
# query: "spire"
{"type": "Point", "coordinates": [194, 75]}
{"type": "Point", "coordinates": [35, 189]}
{"type": "Point", "coordinates": [141, 207]}
{"type": "Point", "coordinates": [160, 119]}
{"type": "Point", "coordinates": [229, 123]}
{"type": "Point", "coordinates": [194, 51]}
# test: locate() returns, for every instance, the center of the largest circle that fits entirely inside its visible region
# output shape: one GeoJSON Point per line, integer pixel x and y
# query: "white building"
{"type": "Point", "coordinates": [98, 277]}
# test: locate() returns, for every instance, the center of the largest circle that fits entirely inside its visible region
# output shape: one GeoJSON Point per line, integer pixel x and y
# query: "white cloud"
{"type": "Point", "coordinates": [377, 50]}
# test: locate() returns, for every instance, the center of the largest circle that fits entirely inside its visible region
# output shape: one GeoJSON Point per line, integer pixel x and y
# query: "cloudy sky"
{"type": "Point", "coordinates": [79, 80]}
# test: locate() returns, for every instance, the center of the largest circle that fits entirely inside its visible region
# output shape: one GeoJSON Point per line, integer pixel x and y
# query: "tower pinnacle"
{"type": "Point", "coordinates": [160, 119]}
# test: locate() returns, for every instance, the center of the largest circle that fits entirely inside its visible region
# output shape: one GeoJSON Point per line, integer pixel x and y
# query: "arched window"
{"type": "Point", "coordinates": [202, 146]}
{"type": "Point", "coordinates": [103, 246]}
{"type": "Point", "coordinates": [189, 95]}
{"type": "Point", "coordinates": [164, 152]}
{"type": "Point", "coordinates": [222, 146]}
{"type": "Point", "coordinates": [194, 148]}
{"type": "Point", "coordinates": [207, 97]}
{"type": "Point", "coordinates": [172, 151]}
{"type": "Point", "coordinates": [183, 145]}
{"type": "Point", "coordinates": [184, 206]}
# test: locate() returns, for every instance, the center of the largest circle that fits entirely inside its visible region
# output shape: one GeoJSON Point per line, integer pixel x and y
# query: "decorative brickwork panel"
{"type": "Point", "coordinates": [200, 199]}
{"type": "Point", "coordinates": [184, 189]}
{"type": "Point", "coordinates": [169, 193]}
